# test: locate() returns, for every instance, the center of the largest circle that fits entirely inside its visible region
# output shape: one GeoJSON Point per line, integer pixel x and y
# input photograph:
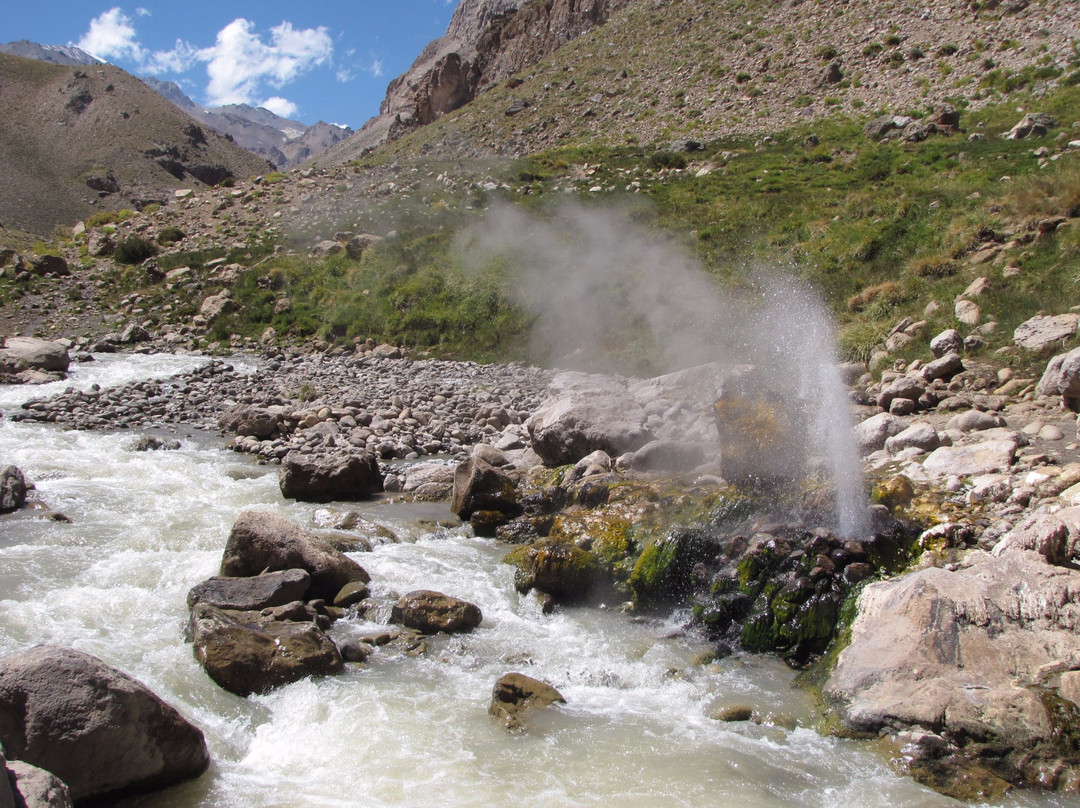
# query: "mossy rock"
{"type": "Point", "coordinates": [563, 570]}
{"type": "Point", "coordinates": [895, 492]}
{"type": "Point", "coordinates": [663, 570]}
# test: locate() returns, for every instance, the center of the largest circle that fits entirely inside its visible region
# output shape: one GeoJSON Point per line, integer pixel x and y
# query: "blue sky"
{"type": "Point", "coordinates": [316, 60]}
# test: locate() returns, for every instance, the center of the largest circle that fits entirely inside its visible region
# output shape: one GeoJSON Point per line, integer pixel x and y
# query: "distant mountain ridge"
{"type": "Point", "coordinates": [282, 141]}
{"type": "Point", "coordinates": [56, 54]}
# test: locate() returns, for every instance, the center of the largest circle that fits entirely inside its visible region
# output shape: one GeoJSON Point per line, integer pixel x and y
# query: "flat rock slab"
{"type": "Point", "coordinates": [251, 593]}
{"type": "Point", "coordinates": [962, 652]}
{"type": "Point", "coordinates": [1043, 331]}
{"type": "Point", "coordinates": [971, 460]}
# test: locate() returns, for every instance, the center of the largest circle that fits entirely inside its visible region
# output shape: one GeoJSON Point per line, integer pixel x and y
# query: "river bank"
{"type": "Point", "coordinates": [337, 384]}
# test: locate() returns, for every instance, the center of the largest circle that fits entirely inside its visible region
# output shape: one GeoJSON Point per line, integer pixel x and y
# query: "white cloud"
{"type": "Point", "coordinates": [178, 60]}
{"type": "Point", "coordinates": [280, 106]}
{"type": "Point", "coordinates": [142, 12]}
{"type": "Point", "coordinates": [240, 61]}
{"type": "Point", "coordinates": [374, 68]}
{"type": "Point", "coordinates": [112, 36]}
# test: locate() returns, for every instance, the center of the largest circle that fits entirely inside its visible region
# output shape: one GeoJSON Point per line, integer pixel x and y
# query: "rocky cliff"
{"type": "Point", "coordinates": [487, 42]}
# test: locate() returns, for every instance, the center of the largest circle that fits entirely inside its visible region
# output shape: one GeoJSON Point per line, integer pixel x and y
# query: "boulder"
{"type": "Point", "coordinates": [97, 729]}
{"type": "Point", "coordinates": [762, 433]}
{"type": "Point", "coordinates": [944, 367]}
{"type": "Point", "coordinates": [908, 387]}
{"type": "Point", "coordinates": [431, 612]}
{"type": "Point", "coordinates": [921, 436]}
{"type": "Point", "coordinates": [948, 341]}
{"type": "Point", "coordinates": [35, 788]}
{"type": "Point", "coordinates": [262, 541]}
{"type": "Point", "coordinates": [1042, 332]}
{"type": "Point", "coordinates": [668, 455]}
{"type": "Point", "coordinates": [1035, 124]}
{"type": "Point", "coordinates": [216, 305]}
{"type": "Point", "coordinates": [592, 465]}
{"type": "Point", "coordinates": [246, 652]}
{"type": "Point", "coordinates": [251, 593]}
{"type": "Point", "coordinates": [35, 354]}
{"type": "Point", "coordinates": [1062, 378]}
{"type": "Point", "coordinates": [515, 694]}
{"type": "Point", "coordinates": [872, 433]}
{"type": "Point", "coordinates": [48, 265]}
{"type": "Point", "coordinates": [431, 480]}
{"type": "Point", "coordinates": [584, 413]}
{"type": "Point", "coordinates": [12, 489]}
{"type": "Point", "coordinates": [329, 476]}
{"type": "Point", "coordinates": [975, 421]}
{"type": "Point", "coordinates": [972, 459]}
{"type": "Point", "coordinates": [977, 654]}
{"type": "Point", "coordinates": [479, 486]}
{"type": "Point", "coordinates": [359, 244]}
{"type": "Point", "coordinates": [562, 570]}
{"type": "Point", "coordinates": [244, 420]}
{"type": "Point", "coordinates": [1054, 536]}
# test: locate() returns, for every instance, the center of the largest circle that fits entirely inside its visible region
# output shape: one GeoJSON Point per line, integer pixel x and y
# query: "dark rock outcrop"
{"type": "Point", "coordinates": [12, 489]}
{"type": "Point", "coordinates": [97, 729]}
{"type": "Point", "coordinates": [329, 476]}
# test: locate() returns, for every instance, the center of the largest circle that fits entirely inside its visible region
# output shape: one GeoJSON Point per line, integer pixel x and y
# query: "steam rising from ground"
{"type": "Point", "coordinates": [597, 282]}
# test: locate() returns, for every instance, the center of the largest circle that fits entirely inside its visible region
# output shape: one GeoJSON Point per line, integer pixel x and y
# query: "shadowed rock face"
{"type": "Point", "coordinates": [100, 731]}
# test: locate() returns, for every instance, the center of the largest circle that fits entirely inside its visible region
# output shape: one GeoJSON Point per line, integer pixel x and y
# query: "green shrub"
{"type": "Point", "coordinates": [134, 250]}
{"type": "Point", "coordinates": [170, 235]}
{"type": "Point", "coordinates": [667, 159]}
{"type": "Point", "coordinates": [103, 217]}
{"type": "Point", "coordinates": [947, 50]}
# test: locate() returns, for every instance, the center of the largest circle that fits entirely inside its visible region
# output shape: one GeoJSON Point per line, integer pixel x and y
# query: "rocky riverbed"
{"type": "Point", "coordinates": [949, 626]}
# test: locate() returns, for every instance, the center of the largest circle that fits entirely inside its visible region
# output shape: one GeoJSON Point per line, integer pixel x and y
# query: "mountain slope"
{"type": "Point", "coordinates": [73, 141]}
{"type": "Point", "coordinates": [661, 71]}
{"type": "Point", "coordinates": [56, 54]}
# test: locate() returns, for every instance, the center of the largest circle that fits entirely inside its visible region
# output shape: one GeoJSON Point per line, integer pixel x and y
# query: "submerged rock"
{"type": "Point", "coordinates": [515, 694]}
{"type": "Point", "coordinates": [97, 729]}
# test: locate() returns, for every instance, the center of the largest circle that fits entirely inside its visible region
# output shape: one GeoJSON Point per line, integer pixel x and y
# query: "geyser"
{"type": "Point", "coordinates": [609, 294]}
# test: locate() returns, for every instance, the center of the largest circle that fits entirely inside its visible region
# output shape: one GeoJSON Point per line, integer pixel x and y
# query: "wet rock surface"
{"type": "Point", "coordinates": [515, 695]}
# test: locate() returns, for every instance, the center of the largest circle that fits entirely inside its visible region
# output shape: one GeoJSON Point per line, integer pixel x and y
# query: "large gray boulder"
{"type": "Point", "coordinates": [329, 476]}
{"type": "Point", "coordinates": [1062, 378]}
{"type": "Point", "coordinates": [265, 541]}
{"type": "Point", "coordinates": [979, 654]}
{"type": "Point", "coordinates": [36, 354]}
{"type": "Point", "coordinates": [251, 593]}
{"type": "Point", "coordinates": [986, 457]}
{"type": "Point", "coordinates": [431, 612]}
{"type": "Point", "coordinates": [12, 489]}
{"type": "Point", "coordinates": [36, 788]}
{"type": "Point", "coordinates": [583, 413]}
{"type": "Point", "coordinates": [97, 729]}
{"type": "Point", "coordinates": [245, 652]}
{"type": "Point", "coordinates": [871, 434]}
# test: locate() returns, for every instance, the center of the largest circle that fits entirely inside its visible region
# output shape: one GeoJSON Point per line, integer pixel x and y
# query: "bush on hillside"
{"type": "Point", "coordinates": [134, 250]}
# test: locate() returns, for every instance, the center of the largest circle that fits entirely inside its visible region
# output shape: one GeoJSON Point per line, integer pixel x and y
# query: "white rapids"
{"type": "Point", "coordinates": [401, 731]}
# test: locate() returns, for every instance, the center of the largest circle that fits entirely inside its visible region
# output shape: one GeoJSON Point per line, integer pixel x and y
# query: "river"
{"type": "Point", "coordinates": [400, 731]}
